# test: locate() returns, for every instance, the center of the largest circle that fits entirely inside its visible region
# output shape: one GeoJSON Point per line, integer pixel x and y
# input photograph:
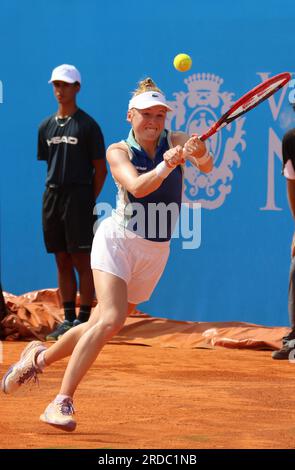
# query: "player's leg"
{"type": "Point", "coordinates": [112, 293]}
{"type": "Point", "coordinates": [36, 357]}
{"type": "Point", "coordinates": [65, 345]}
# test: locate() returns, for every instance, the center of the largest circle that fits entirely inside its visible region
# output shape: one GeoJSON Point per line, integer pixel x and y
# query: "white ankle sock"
{"type": "Point", "coordinates": [60, 397]}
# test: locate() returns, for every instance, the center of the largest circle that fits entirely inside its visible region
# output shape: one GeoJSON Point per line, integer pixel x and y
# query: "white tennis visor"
{"type": "Point", "coordinates": [148, 99]}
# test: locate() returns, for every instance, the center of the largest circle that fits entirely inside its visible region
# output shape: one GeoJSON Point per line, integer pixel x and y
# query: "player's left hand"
{"type": "Point", "coordinates": [174, 156]}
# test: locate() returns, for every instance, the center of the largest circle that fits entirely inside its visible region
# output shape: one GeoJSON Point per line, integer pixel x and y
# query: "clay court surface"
{"type": "Point", "coordinates": [140, 397]}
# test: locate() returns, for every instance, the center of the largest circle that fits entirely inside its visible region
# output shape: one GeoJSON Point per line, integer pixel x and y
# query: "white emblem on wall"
{"type": "Point", "coordinates": [194, 111]}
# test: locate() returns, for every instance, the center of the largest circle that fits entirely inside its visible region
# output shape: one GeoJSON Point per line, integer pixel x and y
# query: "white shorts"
{"type": "Point", "coordinates": [139, 262]}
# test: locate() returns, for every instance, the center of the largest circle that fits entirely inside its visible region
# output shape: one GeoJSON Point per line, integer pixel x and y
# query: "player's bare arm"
{"type": "Point", "coordinates": [125, 173]}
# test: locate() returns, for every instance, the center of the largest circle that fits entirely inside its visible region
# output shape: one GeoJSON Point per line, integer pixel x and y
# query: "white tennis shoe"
{"type": "Point", "coordinates": [25, 370]}
{"type": "Point", "coordinates": [60, 414]}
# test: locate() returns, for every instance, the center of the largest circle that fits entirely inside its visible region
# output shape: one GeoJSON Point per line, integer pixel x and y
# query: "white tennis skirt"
{"type": "Point", "coordinates": [139, 262]}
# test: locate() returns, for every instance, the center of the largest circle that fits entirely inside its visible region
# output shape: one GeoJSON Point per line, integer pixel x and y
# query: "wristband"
{"type": "Point", "coordinates": [204, 159]}
{"type": "Point", "coordinates": [163, 170]}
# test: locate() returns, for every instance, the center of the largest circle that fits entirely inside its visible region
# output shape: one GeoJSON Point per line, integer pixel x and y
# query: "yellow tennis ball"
{"type": "Point", "coordinates": [182, 62]}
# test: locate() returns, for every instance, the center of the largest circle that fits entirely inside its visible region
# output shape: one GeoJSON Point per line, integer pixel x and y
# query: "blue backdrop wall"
{"type": "Point", "coordinates": [240, 270]}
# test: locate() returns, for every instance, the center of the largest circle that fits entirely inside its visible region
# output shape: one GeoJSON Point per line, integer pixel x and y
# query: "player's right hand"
{"type": "Point", "coordinates": [194, 147]}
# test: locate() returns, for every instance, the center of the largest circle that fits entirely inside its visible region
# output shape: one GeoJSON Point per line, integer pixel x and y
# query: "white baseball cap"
{"type": "Point", "coordinates": [65, 73]}
{"type": "Point", "coordinates": [147, 100]}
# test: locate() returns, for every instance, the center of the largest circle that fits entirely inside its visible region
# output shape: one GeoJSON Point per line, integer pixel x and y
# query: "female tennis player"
{"type": "Point", "coordinates": [130, 249]}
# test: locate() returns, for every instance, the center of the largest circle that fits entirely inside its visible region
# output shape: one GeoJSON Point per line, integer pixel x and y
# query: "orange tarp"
{"type": "Point", "coordinates": [35, 314]}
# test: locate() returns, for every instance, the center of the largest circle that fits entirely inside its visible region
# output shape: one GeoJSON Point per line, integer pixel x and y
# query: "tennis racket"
{"type": "Point", "coordinates": [248, 101]}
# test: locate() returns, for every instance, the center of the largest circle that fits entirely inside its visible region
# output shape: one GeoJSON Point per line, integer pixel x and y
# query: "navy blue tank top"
{"type": "Point", "coordinates": [154, 216]}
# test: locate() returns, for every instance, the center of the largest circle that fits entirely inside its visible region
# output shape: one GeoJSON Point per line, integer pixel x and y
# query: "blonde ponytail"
{"type": "Point", "coordinates": [147, 84]}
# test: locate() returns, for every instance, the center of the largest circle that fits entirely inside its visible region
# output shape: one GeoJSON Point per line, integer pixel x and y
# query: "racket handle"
{"type": "Point", "coordinates": [202, 137]}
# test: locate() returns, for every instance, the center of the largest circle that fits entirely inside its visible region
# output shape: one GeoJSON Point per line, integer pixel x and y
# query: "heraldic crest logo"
{"type": "Point", "coordinates": [194, 111]}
